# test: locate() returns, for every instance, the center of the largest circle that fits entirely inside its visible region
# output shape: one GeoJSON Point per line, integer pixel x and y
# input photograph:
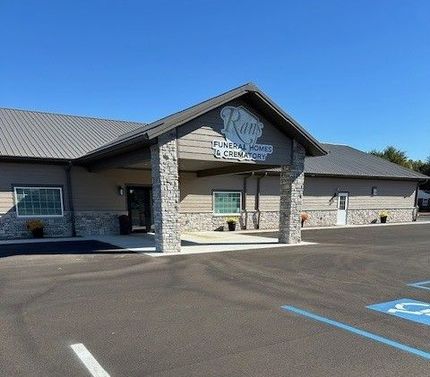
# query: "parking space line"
{"type": "Point", "coordinates": [89, 361]}
{"type": "Point", "coordinates": [355, 330]}
{"type": "Point", "coordinates": [421, 284]}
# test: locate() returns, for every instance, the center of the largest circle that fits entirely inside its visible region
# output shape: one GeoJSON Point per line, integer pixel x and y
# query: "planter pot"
{"type": "Point", "coordinates": [231, 227]}
{"type": "Point", "coordinates": [124, 225]}
{"type": "Point", "coordinates": [383, 220]}
{"type": "Point", "coordinates": [37, 233]}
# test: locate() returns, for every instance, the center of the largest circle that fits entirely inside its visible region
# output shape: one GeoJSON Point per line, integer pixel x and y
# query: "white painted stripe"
{"type": "Point", "coordinates": [89, 361]}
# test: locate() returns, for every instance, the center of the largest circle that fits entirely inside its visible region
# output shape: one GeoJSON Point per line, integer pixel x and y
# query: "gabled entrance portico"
{"type": "Point", "coordinates": [238, 132]}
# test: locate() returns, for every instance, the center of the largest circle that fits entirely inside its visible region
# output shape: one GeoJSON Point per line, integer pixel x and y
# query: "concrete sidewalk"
{"type": "Point", "coordinates": [195, 242]}
{"type": "Point", "coordinates": [192, 243]}
{"type": "Point", "coordinates": [200, 242]}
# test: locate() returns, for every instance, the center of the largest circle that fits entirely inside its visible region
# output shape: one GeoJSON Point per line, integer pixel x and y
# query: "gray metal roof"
{"type": "Point", "coordinates": [346, 161]}
{"type": "Point", "coordinates": [33, 134]}
{"type": "Point", "coordinates": [40, 135]}
{"type": "Point", "coordinates": [154, 129]}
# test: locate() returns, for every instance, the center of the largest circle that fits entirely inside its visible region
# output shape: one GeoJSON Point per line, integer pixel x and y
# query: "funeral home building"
{"type": "Point", "coordinates": [237, 154]}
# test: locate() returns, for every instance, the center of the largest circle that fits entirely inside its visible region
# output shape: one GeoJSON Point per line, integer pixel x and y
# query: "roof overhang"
{"type": "Point", "coordinates": [368, 177]}
{"type": "Point", "coordinates": [35, 160]}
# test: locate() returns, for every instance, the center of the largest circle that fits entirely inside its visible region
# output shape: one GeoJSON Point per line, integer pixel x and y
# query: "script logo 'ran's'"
{"type": "Point", "coordinates": [240, 126]}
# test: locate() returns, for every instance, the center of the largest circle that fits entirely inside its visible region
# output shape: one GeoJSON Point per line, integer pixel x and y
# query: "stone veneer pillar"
{"type": "Point", "coordinates": [291, 195]}
{"type": "Point", "coordinates": [165, 193]}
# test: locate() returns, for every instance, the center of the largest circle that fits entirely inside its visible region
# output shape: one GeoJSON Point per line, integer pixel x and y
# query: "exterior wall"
{"type": "Point", "coordinates": [200, 221]}
{"type": "Point", "coordinates": [98, 204]}
{"type": "Point", "coordinates": [95, 195]}
{"type": "Point", "coordinates": [15, 174]}
{"type": "Point", "coordinates": [196, 211]}
{"type": "Point", "coordinates": [195, 138]}
{"type": "Point", "coordinates": [196, 201]}
{"type": "Point", "coordinates": [397, 197]}
{"type": "Point", "coordinates": [12, 227]}
{"type": "Point", "coordinates": [96, 199]}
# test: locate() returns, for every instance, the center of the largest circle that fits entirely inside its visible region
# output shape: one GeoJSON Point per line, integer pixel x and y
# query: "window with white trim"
{"type": "Point", "coordinates": [227, 202]}
{"type": "Point", "coordinates": [39, 201]}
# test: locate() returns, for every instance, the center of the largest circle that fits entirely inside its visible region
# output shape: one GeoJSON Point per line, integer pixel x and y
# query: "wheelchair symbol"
{"type": "Point", "coordinates": [413, 308]}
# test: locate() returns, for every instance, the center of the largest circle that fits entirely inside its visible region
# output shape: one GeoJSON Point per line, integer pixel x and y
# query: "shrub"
{"type": "Point", "coordinates": [304, 216]}
{"type": "Point", "coordinates": [232, 219]}
{"type": "Point", "coordinates": [34, 224]}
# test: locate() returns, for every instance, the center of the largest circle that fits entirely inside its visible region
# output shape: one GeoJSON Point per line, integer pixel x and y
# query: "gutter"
{"type": "Point", "coordinates": [36, 160]}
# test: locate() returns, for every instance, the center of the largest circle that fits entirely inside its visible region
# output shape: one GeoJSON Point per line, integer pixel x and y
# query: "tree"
{"type": "Point", "coordinates": [395, 155]}
{"type": "Point", "coordinates": [425, 169]}
{"type": "Point", "coordinates": [399, 157]}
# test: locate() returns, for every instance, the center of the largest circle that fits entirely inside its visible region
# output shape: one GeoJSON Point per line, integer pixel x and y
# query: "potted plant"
{"type": "Point", "coordinates": [231, 222]}
{"type": "Point", "coordinates": [304, 216]}
{"type": "Point", "coordinates": [36, 228]}
{"type": "Point", "coordinates": [383, 215]}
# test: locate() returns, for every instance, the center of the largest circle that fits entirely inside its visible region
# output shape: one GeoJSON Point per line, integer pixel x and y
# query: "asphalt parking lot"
{"type": "Point", "coordinates": [219, 314]}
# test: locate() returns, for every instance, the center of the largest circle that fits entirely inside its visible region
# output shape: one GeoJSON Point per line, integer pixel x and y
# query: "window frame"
{"type": "Point", "coordinates": [227, 192]}
{"type": "Point", "coordinates": [345, 194]}
{"type": "Point", "coordinates": [60, 188]}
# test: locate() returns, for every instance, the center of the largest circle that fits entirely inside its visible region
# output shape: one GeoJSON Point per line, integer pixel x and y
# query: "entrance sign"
{"type": "Point", "coordinates": [241, 131]}
{"type": "Point", "coordinates": [412, 310]}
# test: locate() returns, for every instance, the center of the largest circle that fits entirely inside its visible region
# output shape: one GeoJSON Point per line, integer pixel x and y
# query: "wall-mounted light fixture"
{"type": "Point", "coordinates": [120, 191]}
{"type": "Point", "coordinates": [374, 191]}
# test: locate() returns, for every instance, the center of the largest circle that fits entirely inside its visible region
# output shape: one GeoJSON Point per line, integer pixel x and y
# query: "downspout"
{"type": "Point", "coordinates": [245, 191]}
{"type": "Point", "coordinates": [257, 198]}
{"type": "Point", "coordinates": [70, 197]}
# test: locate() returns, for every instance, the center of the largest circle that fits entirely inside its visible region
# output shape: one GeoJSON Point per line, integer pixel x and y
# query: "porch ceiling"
{"type": "Point", "coordinates": [207, 168]}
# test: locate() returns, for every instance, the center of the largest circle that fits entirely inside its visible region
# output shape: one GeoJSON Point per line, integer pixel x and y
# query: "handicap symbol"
{"type": "Point", "coordinates": [407, 308]}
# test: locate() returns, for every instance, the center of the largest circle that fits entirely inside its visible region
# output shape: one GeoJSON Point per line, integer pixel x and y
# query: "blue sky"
{"type": "Point", "coordinates": [351, 72]}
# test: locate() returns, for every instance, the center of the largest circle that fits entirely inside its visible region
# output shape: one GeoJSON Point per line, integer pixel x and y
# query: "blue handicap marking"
{"type": "Point", "coordinates": [421, 284]}
{"type": "Point", "coordinates": [406, 308]}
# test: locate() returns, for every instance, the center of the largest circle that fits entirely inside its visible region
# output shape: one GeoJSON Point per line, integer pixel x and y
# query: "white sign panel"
{"type": "Point", "coordinates": [241, 132]}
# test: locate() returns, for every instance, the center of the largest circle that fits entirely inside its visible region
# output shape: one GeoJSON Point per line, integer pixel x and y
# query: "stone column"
{"type": "Point", "coordinates": [292, 184]}
{"type": "Point", "coordinates": [165, 193]}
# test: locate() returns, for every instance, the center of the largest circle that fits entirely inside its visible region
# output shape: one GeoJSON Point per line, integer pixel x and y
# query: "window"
{"type": "Point", "coordinates": [342, 202]}
{"type": "Point", "coordinates": [38, 201]}
{"type": "Point", "coordinates": [227, 202]}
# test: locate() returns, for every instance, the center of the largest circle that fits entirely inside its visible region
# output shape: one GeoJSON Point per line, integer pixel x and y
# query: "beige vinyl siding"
{"type": "Point", "coordinates": [195, 137]}
{"type": "Point", "coordinates": [251, 190]}
{"type": "Point", "coordinates": [15, 174]}
{"type": "Point", "coordinates": [99, 191]}
{"type": "Point", "coordinates": [269, 198]}
{"type": "Point", "coordinates": [319, 193]}
{"type": "Point", "coordinates": [196, 193]}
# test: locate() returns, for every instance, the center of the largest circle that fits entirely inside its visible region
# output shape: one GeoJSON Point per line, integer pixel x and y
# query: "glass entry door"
{"type": "Point", "coordinates": [139, 199]}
